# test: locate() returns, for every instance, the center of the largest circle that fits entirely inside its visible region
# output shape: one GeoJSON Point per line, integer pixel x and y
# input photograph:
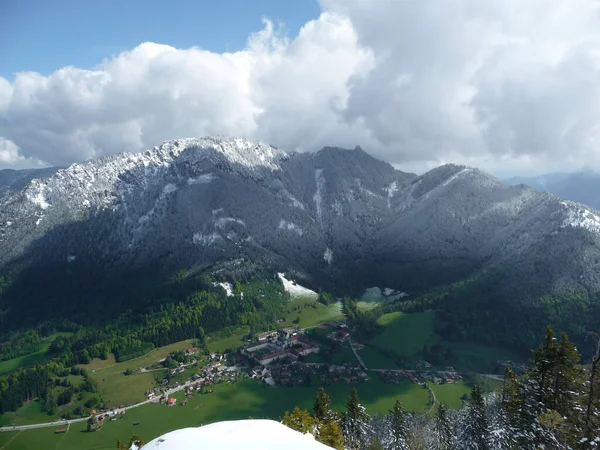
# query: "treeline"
{"type": "Point", "coordinates": [554, 405]}
{"type": "Point", "coordinates": [44, 382]}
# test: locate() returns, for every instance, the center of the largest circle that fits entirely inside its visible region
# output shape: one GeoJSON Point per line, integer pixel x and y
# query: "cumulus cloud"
{"type": "Point", "coordinates": [510, 86]}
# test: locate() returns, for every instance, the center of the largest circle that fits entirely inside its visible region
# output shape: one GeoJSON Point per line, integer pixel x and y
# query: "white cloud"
{"type": "Point", "coordinates": [511, 86]}
{"type": "Point", "coordinates": [10, 158]}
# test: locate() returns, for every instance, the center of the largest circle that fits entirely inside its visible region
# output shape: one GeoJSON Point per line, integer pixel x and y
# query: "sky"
{"type": "Point", "coordinates": [509, 86]}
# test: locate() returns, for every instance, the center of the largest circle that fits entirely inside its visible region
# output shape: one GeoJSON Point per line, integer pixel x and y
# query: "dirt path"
{"type": "Point", "coordinates": [434, 400]}
{"type": "Point", "coordinates": [10, 440]}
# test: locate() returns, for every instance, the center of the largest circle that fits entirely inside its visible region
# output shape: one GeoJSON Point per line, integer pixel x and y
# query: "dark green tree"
{"type": "Point", "coordinates": [398, 428]}
{"type": "Point", "coordinates": [443, 432]}
{"type": "Point", "coordinates": [321, 408]}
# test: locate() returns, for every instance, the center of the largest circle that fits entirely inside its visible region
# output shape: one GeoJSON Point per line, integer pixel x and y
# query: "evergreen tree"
{"type": "Point", "coordinates": [398, 429]}
{"type": "Point", "coordinates": [355, 423]}
{"type": "Point", "coordinates": [330, 433]}
{"type": "Point", "coordinates": [474, 433]}
{"type": "Point", "coordinates": [567, 386]}
{"type": "Point", "coordinates": [592, 408]}
{"type": "Point", "coordinates": [443, 432]}
{"type": "Point", "coordinates": [321, 408]}
{"type": "Point", "coordinates": [299, 420]}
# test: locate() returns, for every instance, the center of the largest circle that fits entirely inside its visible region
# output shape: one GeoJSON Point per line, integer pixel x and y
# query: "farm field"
{"type": "Point", "coordinates": [31, 359]}
{"type": "Point", "coordinates": [311, 312]}
{"type": "Point", "coordinates": [235, 340]}
{"type": "Point", "coordinates": [475, 357]}
{"type": "Point", "coordinates": [29, 413]}
{"type": "Point", "coordinates": [117, 389]}
{"type": "Point", "coordinates": [238, 401]}
{"type": "Point", "coordinates": [450, 394]}
{"type": "Point", "coordinates": [405, 334]}
{"type": "Point", "coordinates": [374, 358]}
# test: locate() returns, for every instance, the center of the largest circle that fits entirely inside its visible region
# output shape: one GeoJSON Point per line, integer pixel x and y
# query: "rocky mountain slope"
{"type": "Point", "coordinates": [341, 217]}
{"type": "Point", "coordinates": [582, 186]}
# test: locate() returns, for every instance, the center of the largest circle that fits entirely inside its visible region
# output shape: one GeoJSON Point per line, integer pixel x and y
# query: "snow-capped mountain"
{"type": "Point", "coordinates": [339, 216]}
{"type": "Point", "coordinates": [582, 186]}
{"type": "Point", "coordinates": [232, 435]}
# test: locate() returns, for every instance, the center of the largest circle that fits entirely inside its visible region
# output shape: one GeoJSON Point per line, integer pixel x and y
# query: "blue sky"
{"type": "Point", "coordinates": [45, 35]}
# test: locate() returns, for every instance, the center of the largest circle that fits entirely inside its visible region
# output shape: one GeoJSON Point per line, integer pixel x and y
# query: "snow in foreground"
{"type": "Point", "coordinates": [295, 290]}
{"type": "Point", "coordinates": [236, 435]}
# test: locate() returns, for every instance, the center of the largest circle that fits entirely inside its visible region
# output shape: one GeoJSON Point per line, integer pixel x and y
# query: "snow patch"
{"type": "Point", "coordinates": [166, 190]}
{"type": "Point", "coordinates": [295, 290]}
{"type": "Point", "coordinates": [38, 198]}
{"type": "Point", "coordinates": [254, 434]}
{"type": "Point", "coordinates": [328, 255]}
{"type": "Point", "coordinates": [227, 286]}
{"type": "Point", "coordinates": [577, 217]}
{"type": "Point", "coordinates": [225, 220]}
{"type": "Point", "coordinates": [455, 176]}
{"type": "Point", "coordinates": [202, 179]}
{"type": "Point", "coordinates": [318, 197]}
{"type": "Point", "coordinates": [8, 223]}
{"type": "Point", "coordinates": [285, 225]}
{"type": "Point", "coordinates": [377, 294]}
{"type": "Point", "coordinates": [205, 239]}
{"type": "Point", "coordinates": [391, 190]}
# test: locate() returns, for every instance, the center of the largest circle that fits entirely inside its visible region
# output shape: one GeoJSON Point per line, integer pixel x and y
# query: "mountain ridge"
{"type": "Point", "coordinates": [342, 217]}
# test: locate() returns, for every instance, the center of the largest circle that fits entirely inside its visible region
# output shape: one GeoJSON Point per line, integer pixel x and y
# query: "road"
{"type": "Point", "coordinates": [66, 423]}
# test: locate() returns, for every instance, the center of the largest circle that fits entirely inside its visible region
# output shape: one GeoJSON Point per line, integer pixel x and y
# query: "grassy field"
{"type": "Point", "coordinates": [6, 437]}
{"type": "Point", "coordinates": [311, 312]}
{"type": "Point", "coordinates": [374, 358]}
{"type": "Point", "coordinates": [31, 359]}
{"type": "Point", "coordinates": [450, 394]}
{"type": "Point", "coordinates": [405, 334]}
{"type": "Point", "coordinates": [471, 356]}
{"type": "Point", "coordinates": [110, 366]}
{"type": "Point", "coordinates": [235, 340]}
{"type": "Point", "coordinates": [237, 401]}
{"type": "Point", "coordinates": [29, 413]}
{"type": "Point", "coordinates": [119, 389]}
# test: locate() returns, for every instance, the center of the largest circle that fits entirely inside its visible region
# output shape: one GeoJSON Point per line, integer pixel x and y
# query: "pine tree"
{"type": "Point", "coordinates": [474, 434]}
{"type": "Point", "coordinates": [501, 431]}
{"type": "Point", "coordinates": [567, 384]}
{"type": "Point", "coordinates": [330, 433]}
{"type": "Point", "coordinates": [355, 423]}
{"type": "Point", "coordinates": [321, 408]}
{"type": "Point", "coordinates": [299, 420]}
{"type": "Point", "coordinates": [443, 432]}
{"type": "Point", "coordinates": [592, 407]}
{"type": "Point", "coordinates": [398, 429]}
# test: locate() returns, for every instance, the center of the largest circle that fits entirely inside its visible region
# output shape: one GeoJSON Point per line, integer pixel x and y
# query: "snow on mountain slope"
{"type": "Point", "coordinates": [236, 435]}
{"type": "Point", "coordinates": [295, 290]}
{"type": "Point", "coordinates": [334, 215]}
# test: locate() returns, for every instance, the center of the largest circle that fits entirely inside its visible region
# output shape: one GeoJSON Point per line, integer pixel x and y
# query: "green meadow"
{"type": "Point", "coordinates": [227, 402]}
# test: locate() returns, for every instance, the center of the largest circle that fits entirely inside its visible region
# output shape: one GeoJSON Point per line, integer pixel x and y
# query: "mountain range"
{"type": "Point", "coordinates": [498, 262]}
{"type": "Point", "coordinates": [582, 186]}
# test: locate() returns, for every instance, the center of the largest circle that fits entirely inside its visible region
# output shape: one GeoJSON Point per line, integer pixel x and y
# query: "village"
{"type": "Point", "coordinates": [285, 357]}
